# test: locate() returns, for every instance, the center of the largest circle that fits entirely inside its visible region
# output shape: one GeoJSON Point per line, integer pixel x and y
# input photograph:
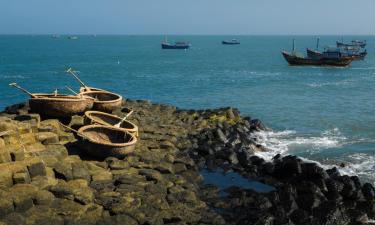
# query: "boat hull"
{"type": "Point", "coordinates": [301, 61]}
{"type": "Point", "coordinates": [105, 141]}
{"type": "Point", "coordinates": [230, 43]}
{"type": "Point", "coordinates": [96, 117]}
{"type": "Point", "coordinates": [59, 106]}
{"type": "Point", "coordinates": [169, 46]}
{"type": "Point", "coordinates": [104, 101]}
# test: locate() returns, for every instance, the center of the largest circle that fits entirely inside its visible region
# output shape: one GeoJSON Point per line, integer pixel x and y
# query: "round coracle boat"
{"type": "Point", "coordinates": [96, 117]}
{"type": "Point", "coordinates": [104, 141]}
{"type": "Point", "coordinates": [104, 101]}
{"type": "Point", "coordinates": [59, 105]}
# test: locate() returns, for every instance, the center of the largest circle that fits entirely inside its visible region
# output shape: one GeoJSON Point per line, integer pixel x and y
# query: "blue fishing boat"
{"type": "Point", "coordinates": [337, 52]}
{"type": "Point", "coordinates": [354, 43]}
{"type": "Point", "coordinates": [353, 52]}
{"type": "Point", "coordinates": [177, 45]}
{"type": "Point", "coordinates": [231, 42]}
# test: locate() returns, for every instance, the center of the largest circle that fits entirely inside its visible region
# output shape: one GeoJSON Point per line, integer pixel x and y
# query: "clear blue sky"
{"type": "Point", "coordinates": [187, 17]}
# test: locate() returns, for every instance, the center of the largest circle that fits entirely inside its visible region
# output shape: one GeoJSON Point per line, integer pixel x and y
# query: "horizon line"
{"type": "Point", "coordinates": [129, 34]}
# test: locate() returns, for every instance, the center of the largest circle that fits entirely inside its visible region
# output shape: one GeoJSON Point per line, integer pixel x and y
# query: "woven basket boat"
{"type": "Point", "coordinates": [104, 101]}
{"type": "Point", "coordinates": [104, 141]}
{"type": "Point", "coordinates": [59, 105]}
{"type": "Point", "coordinates": [96, 117]}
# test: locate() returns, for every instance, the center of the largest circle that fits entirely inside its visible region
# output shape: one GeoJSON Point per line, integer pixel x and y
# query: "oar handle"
{"type": "Point", "coordinates": [123, 119]}
{"type": "Point", "coordinates": [69, 128]}
{"type": "Point", "coordinates": [77, 78]}
{"type": "Point", "coordinates": [75, 131]}
{"type": "Point", "coordinates": [22, 89]}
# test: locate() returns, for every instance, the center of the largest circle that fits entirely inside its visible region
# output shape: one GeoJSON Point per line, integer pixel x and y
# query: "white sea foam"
{"type": "Point", "coordinates": [363, 165]}
{"type": "Point", "coordinates": [338, 83]}
{"type": "Point", "coordinates": [286, 141]}
{"type": "Point", "coordinates": [12, 76]}
{"type": "Point", "coordinates": [363, 68]}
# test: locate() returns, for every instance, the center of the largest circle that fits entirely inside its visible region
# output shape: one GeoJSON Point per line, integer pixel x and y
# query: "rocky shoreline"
{"type": "Point", "coordinates": [45, 177]}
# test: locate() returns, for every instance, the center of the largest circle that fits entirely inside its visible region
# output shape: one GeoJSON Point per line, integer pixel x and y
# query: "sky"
{"type": "Point", "coordinates": [197, 17]}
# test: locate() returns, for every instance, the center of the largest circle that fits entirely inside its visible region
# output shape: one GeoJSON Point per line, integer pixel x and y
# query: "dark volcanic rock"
{"type": "Point", "coordinates": [53, 181]}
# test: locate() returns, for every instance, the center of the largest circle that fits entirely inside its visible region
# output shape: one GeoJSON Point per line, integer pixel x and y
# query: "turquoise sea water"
{"type": "Point", "coordinates": [324, 114]}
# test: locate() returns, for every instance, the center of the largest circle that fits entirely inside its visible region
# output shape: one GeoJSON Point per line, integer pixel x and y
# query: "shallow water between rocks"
{"type": "Point", "coordinates": [224, 180]}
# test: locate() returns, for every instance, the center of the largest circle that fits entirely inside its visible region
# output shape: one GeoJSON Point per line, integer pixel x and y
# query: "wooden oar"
{"type": "Point", "coordinates": [22, 89]}
{"type": "Point", "coordinates": [77, 78]}
{"type": "Point", "coordinates": [75, 131]}
{"type": "Point", "coordinates": [123, 119]}
{"type": "Point", "coordinates": [69, 128]}
{"type": "Point", "coordinates": [71, 90]}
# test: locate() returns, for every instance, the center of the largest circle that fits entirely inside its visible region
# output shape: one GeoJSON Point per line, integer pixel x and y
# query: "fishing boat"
{"type": "Point", "coordinates": [96, 117]}
{"type": "Point", "coordinates": [354, 43]}
{"type": "Point", "coordinates": [355, 52]}
{"type": "Point", "coordinates": [328, 58]}
{"type": "Point", "coordinates": [104, 100]}
{"type": "Point", "coordinates": [57, 105]}
{"type": "Point", "coordinates": [72, 37]}
{"type": "Point", "coordinates": [104, 141]}
{"type": "Point", "coordinates": [295, 59]}
{"type": "Point", "coordinates": [177, 45]}
{"type": "Point", "coordinates": [349, 52]}
{"type": "Point", "coordinates": [231, 42]}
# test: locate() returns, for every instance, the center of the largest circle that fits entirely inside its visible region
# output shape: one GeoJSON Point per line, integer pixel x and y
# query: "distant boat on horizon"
{"type": "Point", "coordinates": [231, 42]}
{"type": "Point", "coordinates": [177, 45]}
{"type": "Point", "coordinates": [55, 36]}
{"type": "Point", "coordinates": [72, 37]}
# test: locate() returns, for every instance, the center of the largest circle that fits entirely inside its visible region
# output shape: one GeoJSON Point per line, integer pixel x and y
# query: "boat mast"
{"type": "Point", "coordinates": [293, 48]}
{"type": "Point", "coordinates": [317, 43]}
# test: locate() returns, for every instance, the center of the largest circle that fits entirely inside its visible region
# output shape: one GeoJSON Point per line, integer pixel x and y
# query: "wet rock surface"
{"type": "Point", "coordinates": [46, 178]}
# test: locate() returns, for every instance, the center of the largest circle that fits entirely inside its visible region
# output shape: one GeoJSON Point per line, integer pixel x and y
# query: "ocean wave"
{"type": "Point", "coordinates": [286, 141]}
{"type": "Point", "coordinates": [363, 68]}
{"type": "Point", "coordinates": [362, 164]}
{"type": "Point", "coordinates": [13, 76]}
{"type": "Point", "coordinates": [338, 83]}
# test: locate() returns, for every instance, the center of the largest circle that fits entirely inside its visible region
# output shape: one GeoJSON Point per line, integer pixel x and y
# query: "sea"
{"type": "Point", "coordinates": [323, 114]}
